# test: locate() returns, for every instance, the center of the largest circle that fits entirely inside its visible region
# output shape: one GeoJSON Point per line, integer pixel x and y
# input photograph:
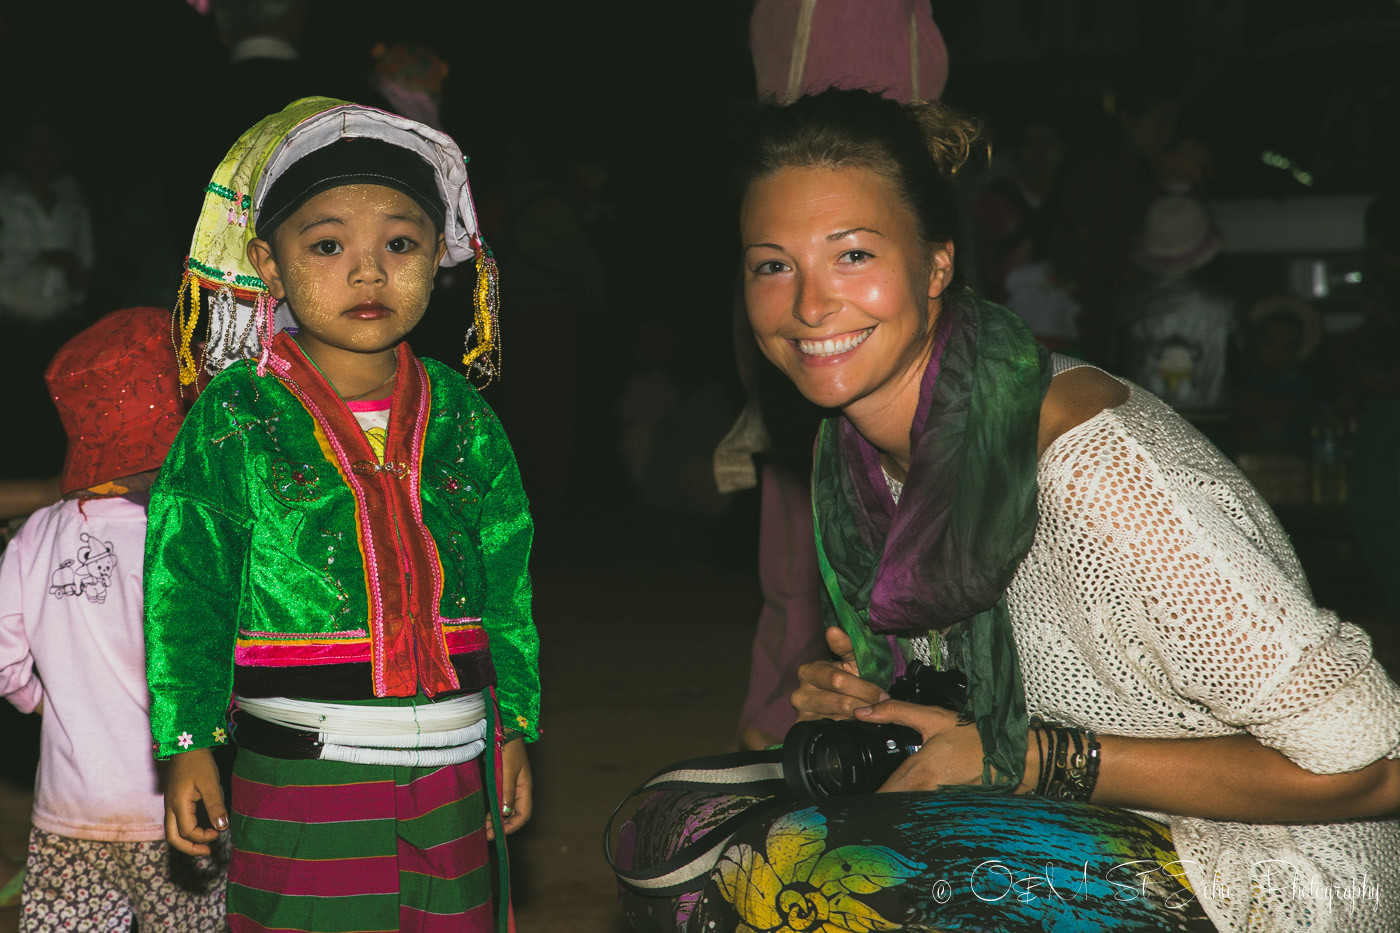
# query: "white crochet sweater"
{"type": "Point", "coordinates": [1161, 598]}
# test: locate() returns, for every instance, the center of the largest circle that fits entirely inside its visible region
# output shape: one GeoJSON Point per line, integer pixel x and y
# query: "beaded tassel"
{"type": "Point", "coordinates": [485, 357]}
{"type": "Point", "coordinates": [263, 314]}
{"type": "Point", "coordinates": [182, 329]}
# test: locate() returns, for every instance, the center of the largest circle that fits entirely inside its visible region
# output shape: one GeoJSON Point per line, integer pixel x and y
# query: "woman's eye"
{"type": "Point", "coordinates": [401, 244]}
{"type": "Point", "coordinates": [326, 247]}
{"type": "Point", "coordinates": [856, 256]}
{"type": "Point", "coordinates": [770, 267]}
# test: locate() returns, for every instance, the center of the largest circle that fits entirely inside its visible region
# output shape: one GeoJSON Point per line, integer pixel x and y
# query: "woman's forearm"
{"type": "Point", "coordinates": [1235, 778]}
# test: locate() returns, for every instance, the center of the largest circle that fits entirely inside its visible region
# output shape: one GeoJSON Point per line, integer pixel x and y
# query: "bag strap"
{"type": "Point", "coordinates": [747, 774]}
{"type": "Point", "coordinates": [802, 37]}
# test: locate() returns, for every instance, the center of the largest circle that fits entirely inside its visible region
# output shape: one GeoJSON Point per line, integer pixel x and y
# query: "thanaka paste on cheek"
{"type": "Point", "coordinates": [323, 290]}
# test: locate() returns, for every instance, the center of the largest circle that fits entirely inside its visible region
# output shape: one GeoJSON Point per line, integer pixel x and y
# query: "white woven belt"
{"type": "Point", "coordinates": [445, 732]}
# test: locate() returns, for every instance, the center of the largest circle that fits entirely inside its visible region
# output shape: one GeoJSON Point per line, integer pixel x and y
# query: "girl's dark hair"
{"type": "Point", "coordinates": [919, 147]}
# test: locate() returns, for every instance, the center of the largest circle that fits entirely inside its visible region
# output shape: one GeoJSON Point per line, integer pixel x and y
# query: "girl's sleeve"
{"type": "Point", "coordinates": [506, 534]}
{"type": "Point", "coordinates": [1201, 587]}
{"type": "Point", "coordinates": [197, 544]}
{"type": "Point", "coordinates": [18, 682]}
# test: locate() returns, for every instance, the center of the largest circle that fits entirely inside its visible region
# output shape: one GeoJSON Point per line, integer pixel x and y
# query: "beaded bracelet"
{"type": "Point", "coordinates": [1069, 761]}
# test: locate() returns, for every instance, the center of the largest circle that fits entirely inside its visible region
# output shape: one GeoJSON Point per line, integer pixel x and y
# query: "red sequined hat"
{"type": "Point", "coordinates": [117, 389]}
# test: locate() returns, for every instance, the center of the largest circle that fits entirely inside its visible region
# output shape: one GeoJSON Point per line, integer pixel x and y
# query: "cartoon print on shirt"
{"type": "Point", "coordinates": [90, 574]}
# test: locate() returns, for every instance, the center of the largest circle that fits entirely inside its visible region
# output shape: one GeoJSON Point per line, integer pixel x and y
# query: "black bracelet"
{"type": "Point", "coordinates": [1069, 767]}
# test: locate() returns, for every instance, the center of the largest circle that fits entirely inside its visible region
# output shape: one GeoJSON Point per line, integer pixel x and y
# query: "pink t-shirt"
{"type": "Point", "coordinates": [71, 636]}
{"type": "Point", "coordinates": [373, 418]}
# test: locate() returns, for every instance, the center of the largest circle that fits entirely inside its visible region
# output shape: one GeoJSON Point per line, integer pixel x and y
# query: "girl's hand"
{"type": "Point", "coordinates": [952, 752]}
{"type": "Point", "coordinates": [193, 777]}
{"type": "Point", "coordinates": [517, 789]}
{"type": "Point", "coordinates": [834, 689]}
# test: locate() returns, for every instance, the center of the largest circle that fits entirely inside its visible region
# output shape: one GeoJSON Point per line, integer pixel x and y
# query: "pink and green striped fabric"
{"type": "Point", "coordinates": [330, 847]}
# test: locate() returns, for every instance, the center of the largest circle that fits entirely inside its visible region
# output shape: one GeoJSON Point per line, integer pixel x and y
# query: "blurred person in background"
{"type": "Point", "coordinates": [1012, 216]}
{"type": "Point", "coordinates": [1370, 365]}
{"type": "Point", "coordinates": [1103, 201]}
{"type": "Point", "coordinates": [1173, 328]}
{"type": "Point", "coordinates": [410, 77]}
{"type": "Point", "coordinates": [46, 260]}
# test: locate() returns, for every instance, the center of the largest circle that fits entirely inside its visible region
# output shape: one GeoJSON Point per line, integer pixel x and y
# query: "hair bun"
{"type": "Point", "coordinates": [952, 137]}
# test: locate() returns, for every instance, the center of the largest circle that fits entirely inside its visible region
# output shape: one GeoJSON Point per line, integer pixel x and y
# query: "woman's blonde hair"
{"type": "Point", "coordinates": [953, 137]}
{"type": "Point", "coordinates": [920, 147]}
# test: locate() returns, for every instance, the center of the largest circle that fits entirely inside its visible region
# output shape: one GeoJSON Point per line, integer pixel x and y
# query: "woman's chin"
{"type": "Point", "coordinates": [822, 392]}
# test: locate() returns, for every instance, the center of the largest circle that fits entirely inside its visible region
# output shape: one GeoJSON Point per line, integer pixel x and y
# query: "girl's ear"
{"type": "Point", "coordinates": [261, 256]}
{"type": "Point", "coordinates": [940, 273]}
{"type": "Point", "coordinates": [441, 251]}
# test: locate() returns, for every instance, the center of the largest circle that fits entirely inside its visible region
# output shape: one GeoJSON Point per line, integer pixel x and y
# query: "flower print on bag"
{"type": "Point", "coordinates": [801, 888]}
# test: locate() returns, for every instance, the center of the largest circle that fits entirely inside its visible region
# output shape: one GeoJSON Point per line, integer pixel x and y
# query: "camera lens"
{"type": "Point", "coordinates": [829, 757]}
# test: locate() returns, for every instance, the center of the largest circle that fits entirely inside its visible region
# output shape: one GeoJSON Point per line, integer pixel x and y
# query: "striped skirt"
{"type": "Point", "coordinates": [329, 847]}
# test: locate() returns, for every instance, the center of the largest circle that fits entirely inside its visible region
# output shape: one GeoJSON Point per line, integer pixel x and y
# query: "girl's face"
{"type": "Point", "coordinates": [356, 266]}
{"type": "Point", "coordinates": [841, 292]}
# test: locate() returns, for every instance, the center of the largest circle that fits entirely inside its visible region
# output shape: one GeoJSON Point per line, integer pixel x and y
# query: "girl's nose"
{"type": "Point", "coordinates": [368, 270]}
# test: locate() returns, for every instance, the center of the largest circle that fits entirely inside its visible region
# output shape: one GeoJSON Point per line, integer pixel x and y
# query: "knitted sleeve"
{"type": "Point", "coordinates": [1198, 591]}
{"type": "Point", "coordinates": [197, 549]}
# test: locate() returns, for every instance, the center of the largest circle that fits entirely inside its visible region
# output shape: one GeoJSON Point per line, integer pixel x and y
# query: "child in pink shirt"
{"type": "Point", "coordinates": [72, 648]}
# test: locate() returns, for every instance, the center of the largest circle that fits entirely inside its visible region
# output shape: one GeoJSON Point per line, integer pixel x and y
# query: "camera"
{"type": "Point", "coordinates": [831, 757]}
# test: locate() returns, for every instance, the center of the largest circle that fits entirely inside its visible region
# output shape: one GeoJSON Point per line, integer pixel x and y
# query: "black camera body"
{"type": "Point", "coordinates": [832, 757]}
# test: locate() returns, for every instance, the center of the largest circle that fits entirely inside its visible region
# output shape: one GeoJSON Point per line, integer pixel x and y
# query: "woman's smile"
{"type": "Point", "coordinates": [831, 347]}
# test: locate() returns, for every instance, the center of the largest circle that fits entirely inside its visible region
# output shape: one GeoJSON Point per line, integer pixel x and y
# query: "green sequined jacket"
{"type": "Point", "coordinates": [284, 558]}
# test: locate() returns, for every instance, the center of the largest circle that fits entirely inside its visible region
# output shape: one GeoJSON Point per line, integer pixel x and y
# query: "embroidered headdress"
{"type": "Point", "coordinates": [241, 314]}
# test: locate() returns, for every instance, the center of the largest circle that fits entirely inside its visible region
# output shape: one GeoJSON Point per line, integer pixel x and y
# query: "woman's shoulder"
{"type": "Point", "coordinates": [1076, 395]}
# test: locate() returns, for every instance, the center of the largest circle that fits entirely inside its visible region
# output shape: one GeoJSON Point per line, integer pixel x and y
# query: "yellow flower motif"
{"type": "Point", "coordinates": [798, 888]}
{"type": "Point", "coordinates": [524, 723]}
{"type": "Point", "coordinates": [219, 735]}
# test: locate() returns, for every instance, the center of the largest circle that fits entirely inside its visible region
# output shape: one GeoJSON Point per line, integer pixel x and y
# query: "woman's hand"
{"type": "Point", "coordinates": [517, 789]}
{"type": "Point", "coordinates": [834, 689]}
{"type": "Point", "coordinates": [952, 752]}
{"type": "Point", "coordinates": [193, 777]}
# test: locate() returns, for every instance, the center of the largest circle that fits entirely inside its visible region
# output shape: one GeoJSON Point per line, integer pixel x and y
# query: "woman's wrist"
{"type": "Point", "coordinates": [1066, 760]}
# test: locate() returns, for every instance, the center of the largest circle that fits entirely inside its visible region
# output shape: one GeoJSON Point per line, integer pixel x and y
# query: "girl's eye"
{"type": "Point", "coordinates": [326, 247]}
{"type": "Point", "coordinates": [401, 244]}
{"type": "Point", "coordinates": [770, 267]}
{"type": "Point", "coordinates": [856, 256]}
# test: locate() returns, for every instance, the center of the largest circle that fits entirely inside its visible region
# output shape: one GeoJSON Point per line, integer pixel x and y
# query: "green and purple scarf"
{"type": "Point", "coordinates": [941, 559]}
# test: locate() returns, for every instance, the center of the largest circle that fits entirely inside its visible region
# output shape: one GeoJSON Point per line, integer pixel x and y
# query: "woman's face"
{"type": "Point", "coordinates": [841, 293]}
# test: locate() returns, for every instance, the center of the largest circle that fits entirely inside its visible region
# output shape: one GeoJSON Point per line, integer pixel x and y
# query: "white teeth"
{"type": "Point", "coordinates": [833, 345]}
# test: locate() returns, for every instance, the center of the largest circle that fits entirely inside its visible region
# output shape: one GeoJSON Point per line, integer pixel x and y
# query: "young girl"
{"type": "Point", "coordinates": [71, 648]}
{"type": "Point", "coordinates": [338, 545]}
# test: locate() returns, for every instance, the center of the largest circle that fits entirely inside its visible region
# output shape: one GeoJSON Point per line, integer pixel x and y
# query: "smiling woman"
{"type": "Point", "coordinates": [1131, 623]}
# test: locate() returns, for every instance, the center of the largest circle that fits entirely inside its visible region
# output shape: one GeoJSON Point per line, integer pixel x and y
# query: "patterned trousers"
{"type": "Point", "coordinates": [89, 885]}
